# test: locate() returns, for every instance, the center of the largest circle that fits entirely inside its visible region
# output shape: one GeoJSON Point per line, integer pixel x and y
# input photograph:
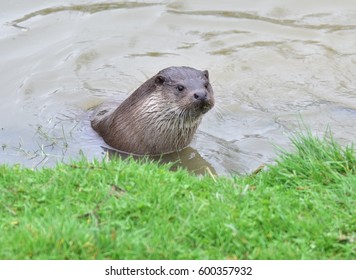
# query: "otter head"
{"type": "Point", "coordinates": [187, 90]}
{"type": "Point", "coordinates": [161, 116]}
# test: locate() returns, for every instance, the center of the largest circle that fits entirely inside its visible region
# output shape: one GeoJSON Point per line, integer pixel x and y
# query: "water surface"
{"type": "Point", "coordinates": [271, 63]}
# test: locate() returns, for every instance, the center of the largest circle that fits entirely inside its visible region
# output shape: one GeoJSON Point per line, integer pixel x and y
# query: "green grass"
{"type": "Point", "coordinates": [302, 207]}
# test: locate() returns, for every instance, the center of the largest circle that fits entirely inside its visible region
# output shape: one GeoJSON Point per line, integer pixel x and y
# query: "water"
{"type": "Point", "coordinates": [271, 63]}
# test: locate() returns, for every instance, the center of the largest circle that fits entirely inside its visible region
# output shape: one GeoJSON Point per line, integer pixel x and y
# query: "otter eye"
{"type": "Point", "coordinates": [206, 85]}
{"type": "Point", "coordinates": [180, 88]}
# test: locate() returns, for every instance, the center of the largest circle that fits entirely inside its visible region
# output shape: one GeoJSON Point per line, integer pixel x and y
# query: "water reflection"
{"type": "Point", "coordinates": [188, 158]}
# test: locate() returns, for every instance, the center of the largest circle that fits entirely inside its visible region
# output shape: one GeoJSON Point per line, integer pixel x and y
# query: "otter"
{"type": "Point", "coordinates": [159, 117]}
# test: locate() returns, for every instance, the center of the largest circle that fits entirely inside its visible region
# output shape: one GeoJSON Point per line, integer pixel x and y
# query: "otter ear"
{"type": "Point", "coordinates": [160, 79]}
{"type": "Point", "coordinates": [206, 74]}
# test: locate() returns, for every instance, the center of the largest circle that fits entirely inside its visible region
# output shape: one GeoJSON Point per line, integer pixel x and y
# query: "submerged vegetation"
{"type": "Point", "coordinates": [302, 207]}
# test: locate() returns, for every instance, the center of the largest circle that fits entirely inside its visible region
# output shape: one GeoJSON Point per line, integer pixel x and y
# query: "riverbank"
{"type": "Point", "coordinates": [303, 207]}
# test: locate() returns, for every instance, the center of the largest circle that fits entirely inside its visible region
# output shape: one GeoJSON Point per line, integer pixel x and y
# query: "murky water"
{"type": "Point", "coordinates": [271, 63]}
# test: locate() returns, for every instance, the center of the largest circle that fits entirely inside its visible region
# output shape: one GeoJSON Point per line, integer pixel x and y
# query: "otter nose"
{"type": "Point", "coordinates": [200, 95]}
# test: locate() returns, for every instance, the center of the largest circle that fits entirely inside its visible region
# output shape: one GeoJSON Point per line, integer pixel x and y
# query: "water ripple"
{"type": "Point", "coordinates": [88, 8]}
{"type": "Point", "coordinates": [254, 16]}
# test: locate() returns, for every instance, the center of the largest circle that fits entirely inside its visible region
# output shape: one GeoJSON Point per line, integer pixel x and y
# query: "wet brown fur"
{"type": "Point", "coordinates": [159, 117]}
